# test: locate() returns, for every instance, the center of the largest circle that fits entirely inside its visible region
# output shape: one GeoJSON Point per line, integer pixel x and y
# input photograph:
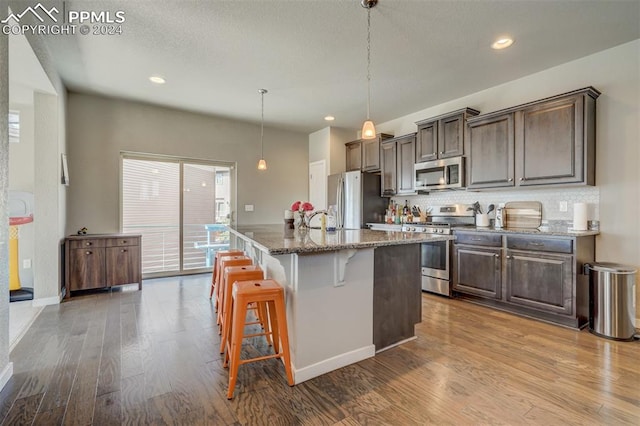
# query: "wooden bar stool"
{"type": "Point", "coordinates": [220, 254]}
{"type": "Point", "coordinates": [225, 261]}
{"type": "Point", "coordinates": [267, 292]}
{"type": "Point", "coordinates": [231, 275]}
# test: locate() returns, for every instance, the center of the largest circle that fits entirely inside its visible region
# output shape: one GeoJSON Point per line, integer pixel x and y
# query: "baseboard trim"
{"type": "Point", "coordinates": [46, 301]}
{"type": "Point", "coordinates": [401, 342]}
{"type": "Point", "coordinates": [314, 370]}
{"type": "Point", "coordinates": [6, 374]}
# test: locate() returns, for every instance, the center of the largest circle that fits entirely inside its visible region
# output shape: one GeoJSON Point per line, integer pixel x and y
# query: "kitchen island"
{"type": "Point", "coordinates": [349, 293]}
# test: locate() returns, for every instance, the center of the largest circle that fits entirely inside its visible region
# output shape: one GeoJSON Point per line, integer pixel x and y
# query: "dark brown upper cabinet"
{"type": "Point", "coordinates": [398, 158]}
{"type": "Point", "coordinates": [442, 136]}
{"type": "Point", "coordinates": [546, 142]}
{"type": "Point", "coordinates": [490, 153]}
{"type": "Point", "coordinates": [354, 155]}
{"type": "Point", "coordinates": [364, 154]}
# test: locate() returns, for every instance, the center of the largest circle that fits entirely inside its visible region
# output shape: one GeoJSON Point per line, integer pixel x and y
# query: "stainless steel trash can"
{"type": "Point", "coordinates": [612, 300]}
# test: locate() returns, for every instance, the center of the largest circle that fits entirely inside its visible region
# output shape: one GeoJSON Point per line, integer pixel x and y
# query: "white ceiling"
{"type": "Point", "coordinates": [311, 55]}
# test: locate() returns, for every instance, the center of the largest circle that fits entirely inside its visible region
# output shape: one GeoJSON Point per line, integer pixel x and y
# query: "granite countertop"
{"type": "Point", "coordinates": [272, 239]}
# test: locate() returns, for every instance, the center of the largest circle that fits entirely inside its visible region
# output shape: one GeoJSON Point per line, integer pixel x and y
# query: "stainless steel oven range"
{"type": "Point", "coordinates": [436, 256]}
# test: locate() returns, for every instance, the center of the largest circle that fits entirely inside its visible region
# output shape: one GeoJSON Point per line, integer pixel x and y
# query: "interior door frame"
{"type": "Point", "coordinates": [233, 175]}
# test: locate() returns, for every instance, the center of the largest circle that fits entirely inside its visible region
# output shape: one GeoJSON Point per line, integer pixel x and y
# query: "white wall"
{"type": "Point", "coordinates": [328, 144]}
{"type": "Point", "coordinates": [616, 73]}
{"type": "Point", "coordinates": [46, 211]}
{"type": "Point", "coordinates": [100, 128]}
{"type": "Point", "coordinates": [319, 145]}
{"type": "Point", "coordinates": [337, 151]}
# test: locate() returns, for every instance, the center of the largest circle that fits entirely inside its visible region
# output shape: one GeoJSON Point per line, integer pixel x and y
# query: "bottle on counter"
{"type": "Point", "coordinates": [331, 220]}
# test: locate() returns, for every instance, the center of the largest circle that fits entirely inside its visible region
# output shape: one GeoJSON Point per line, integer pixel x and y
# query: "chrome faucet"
{"type": "Point", "coordinates": [314, 214]}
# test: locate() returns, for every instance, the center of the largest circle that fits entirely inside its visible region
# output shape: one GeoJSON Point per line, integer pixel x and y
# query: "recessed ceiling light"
{"type": "Point", "coordinates": [502, 43]}
{"type": "Point", "coordinates": [329, 118]}
{"type": "Point", "coordinates": [156, 79]}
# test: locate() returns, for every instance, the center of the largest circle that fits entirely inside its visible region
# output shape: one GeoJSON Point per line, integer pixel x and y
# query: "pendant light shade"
{"type": "Point", "coordinates": [262, 164]}
{"type": "Point", "coordinates": [368, 128]}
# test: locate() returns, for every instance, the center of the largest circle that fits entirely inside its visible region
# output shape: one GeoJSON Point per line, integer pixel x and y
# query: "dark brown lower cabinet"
{"type": "Point", "coordinates": [397, 294]}
{"type": "Point", "coordinates": [479, 271]}
{"type": "Point", "coordinates": [102, 261]}
{"type": "Point", "coordinates": [536, 276]}
{"type": "Point", "coordinates": [540, 281]}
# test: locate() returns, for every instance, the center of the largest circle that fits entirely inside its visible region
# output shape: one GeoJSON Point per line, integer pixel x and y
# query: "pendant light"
{"type": "Point", "coordinates": [262, 164]}
{"type": "Point", "coordinates": [368, 128]}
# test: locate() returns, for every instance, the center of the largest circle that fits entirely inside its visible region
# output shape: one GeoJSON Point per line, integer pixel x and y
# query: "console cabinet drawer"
{"type": "Point", "coordinates": [87, 243]}
{"type": "Point", "coordinates": [118, 242]}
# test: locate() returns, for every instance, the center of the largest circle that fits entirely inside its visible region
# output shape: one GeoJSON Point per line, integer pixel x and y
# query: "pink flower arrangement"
{"type": "Point", "coordinates": [302, 207]}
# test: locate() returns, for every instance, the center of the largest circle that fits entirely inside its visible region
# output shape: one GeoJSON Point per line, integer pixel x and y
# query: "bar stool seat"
{"type": "Point", "coordinates": [220, 254]}
{"type": "Point", "coordinates": [239, 260]}
{"type": "Point", "coordinates": [231, 275]}
{"type": "Point", "coordinates": [267, 292]}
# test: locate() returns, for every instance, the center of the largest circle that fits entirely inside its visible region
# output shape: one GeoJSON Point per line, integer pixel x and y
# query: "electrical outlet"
{"type": "Point", "coordinates": [248, 207]}
{"type": "Point", "coordinates": [26, 264]}
{"type": "Point", "coordinates": [563, 206]}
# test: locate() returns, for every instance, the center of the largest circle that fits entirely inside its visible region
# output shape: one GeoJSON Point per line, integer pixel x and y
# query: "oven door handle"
{"type": "Point", "coordinates": [447, 176]}
{"type": "Point", "coordinates": [448, 260]}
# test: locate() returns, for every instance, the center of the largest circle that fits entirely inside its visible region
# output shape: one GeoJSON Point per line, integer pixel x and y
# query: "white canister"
{"type": "Point", "coordinates": [482, 219]}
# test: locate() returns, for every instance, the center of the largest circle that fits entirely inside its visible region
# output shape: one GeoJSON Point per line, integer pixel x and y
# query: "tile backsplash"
{"type": "Point", "coordinates": [550, 199]}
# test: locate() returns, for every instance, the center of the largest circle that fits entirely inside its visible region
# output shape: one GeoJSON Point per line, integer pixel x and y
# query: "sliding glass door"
{"type": "Point", "coordinates": [181, 207]}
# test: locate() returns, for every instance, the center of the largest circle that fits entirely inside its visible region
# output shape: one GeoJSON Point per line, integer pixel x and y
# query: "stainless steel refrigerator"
{"type": "Point", "coordinates": [356, 196]}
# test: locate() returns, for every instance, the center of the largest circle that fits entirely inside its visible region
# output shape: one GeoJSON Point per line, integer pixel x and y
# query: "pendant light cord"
{"type": "Point", "coordinates": [368, 61]}
{"type": "Point", "coordinates": [262, 127]}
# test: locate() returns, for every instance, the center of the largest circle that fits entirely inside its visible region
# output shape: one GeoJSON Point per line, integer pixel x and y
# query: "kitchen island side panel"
{"type": "Point", "coordinates": [329, 307]}
{"type": "Point", "coordinates": [397, 294]}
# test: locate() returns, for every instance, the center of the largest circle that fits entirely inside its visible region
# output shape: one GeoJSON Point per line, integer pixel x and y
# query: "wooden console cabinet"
{"type": "Point", "coordinates": [102, 261]}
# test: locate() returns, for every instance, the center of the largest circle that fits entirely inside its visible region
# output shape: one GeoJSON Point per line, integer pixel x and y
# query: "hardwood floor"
{"type": "Point", "coordinates": [151, 357]}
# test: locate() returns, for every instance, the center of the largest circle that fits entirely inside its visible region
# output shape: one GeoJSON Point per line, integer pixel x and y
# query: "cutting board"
{"type": "Point", "coordinates": [523, 214]}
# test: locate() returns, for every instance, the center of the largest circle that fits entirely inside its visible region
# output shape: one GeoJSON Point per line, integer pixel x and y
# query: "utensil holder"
{"type": "Point", "coordinates": [482, 220]}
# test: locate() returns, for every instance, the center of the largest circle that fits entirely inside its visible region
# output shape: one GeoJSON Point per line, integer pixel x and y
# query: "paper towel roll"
{"type": "Point", "coordinates": [580, 216]}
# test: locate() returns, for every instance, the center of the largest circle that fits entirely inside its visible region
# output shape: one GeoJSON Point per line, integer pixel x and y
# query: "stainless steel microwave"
{"type": "Point", "coordinates": [439, 174]}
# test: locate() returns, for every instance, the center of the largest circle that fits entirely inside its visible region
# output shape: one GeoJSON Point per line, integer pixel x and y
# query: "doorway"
{"type": "Point", "coordinates": [180, 207]}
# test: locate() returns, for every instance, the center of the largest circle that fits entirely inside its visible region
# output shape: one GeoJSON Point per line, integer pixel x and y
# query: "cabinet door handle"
{"type": "Point", "coordinates": [88, 252]}
{"type": "Point", "coordinates": [441, 152]}
{"type": "Point", "coordinates": [477, 239]}
{"type": "Point", "coordinates": [123, 251]}
{"type": "Point", "coordinates": [124, 241]}
{"type": "Point", "coordinates": [433, 153]}
{"type": "Point", "coordinates": [88, 243]}
{"type": "Point", "coordinates": [536, 244]}
{"type": "Point", "coordinates": [510, 180]}
{"type": "Point", "coordinates": [497, 255]}
{"type": "Point", "coordinates": [509, 257]}
{"type": "Point", "coordinates": [521, 179]}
